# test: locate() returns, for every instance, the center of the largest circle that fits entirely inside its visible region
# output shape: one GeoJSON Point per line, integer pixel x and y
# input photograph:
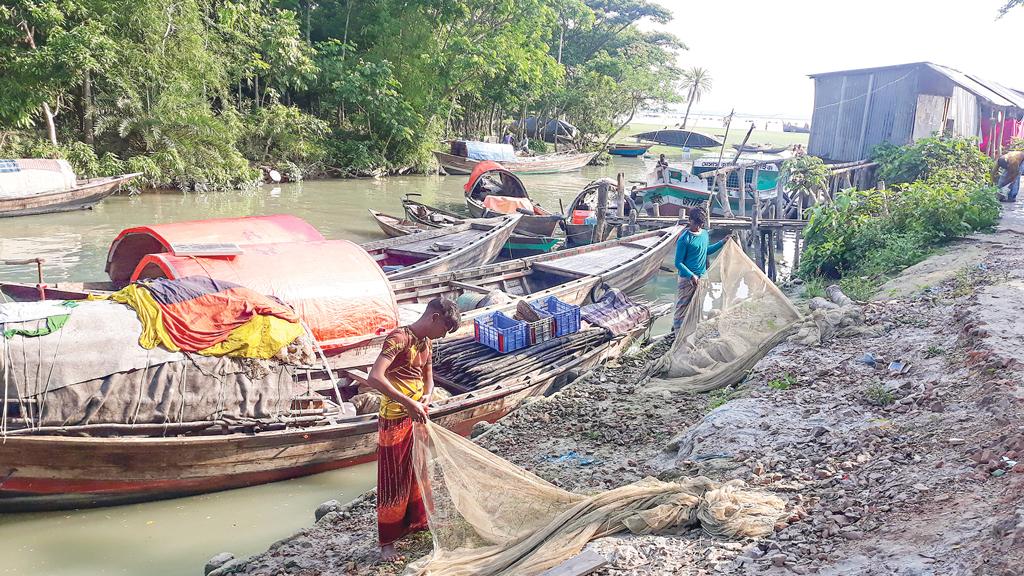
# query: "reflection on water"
{"type": "Point", "coordinates": [177, 536]}
{"type": "Point", "coordinates": [170, 537]}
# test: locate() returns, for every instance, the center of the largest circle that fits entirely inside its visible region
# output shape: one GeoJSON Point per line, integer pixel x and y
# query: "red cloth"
{"type": "Point", "coordinates": [1011, 129]}
{"type": "Point", "coordinates": [400, 507]}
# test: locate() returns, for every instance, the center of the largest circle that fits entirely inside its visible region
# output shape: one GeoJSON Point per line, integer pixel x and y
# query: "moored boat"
{"type": "Point", "coordinates": [464, 156]}
{"type": "Point", "coordinates": [520, 245]}
{"type": "Point", "coordinates": [629, 150]}
{"type": "Point", "coordinates": [492, 191]}
{"type": "Point", "coordinates": [42, 186]}
{"type": "Point", "coordinates": [443, 249]}
{"type": "Point", "coordinates": [73, 466]}
{"type": "Point", "coordinates": [393, 226]}
{"type": "Point", "coordinates": [669, 192]}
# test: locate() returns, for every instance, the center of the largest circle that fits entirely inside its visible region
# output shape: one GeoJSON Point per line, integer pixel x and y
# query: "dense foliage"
{"type": "Point", "coordinates": [201, 93]}
{"type": "Point", "coordinates": [944, 194]}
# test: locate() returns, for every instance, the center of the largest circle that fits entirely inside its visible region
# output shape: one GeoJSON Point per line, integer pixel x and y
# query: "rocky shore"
{"type": "Point", "coordinates": [909, 468]}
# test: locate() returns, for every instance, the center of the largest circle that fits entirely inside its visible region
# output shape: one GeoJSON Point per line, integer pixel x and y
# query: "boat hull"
{"type": "Point", "coordinates": [61, 472]}
{"type": "Point", "coordinates": [79, 198]}
{"type": "Point", "coordinates": [528, 224]}
{"type": "Point", "coordinates": [629, 151]}
{"type": "Point", "coordinates": [548, 164]}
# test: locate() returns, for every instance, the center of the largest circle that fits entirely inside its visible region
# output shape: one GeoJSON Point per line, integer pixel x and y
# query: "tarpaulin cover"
{"type": "Point", "coordinates": [734, 319]}
{"type": "Point", "coordinates": [29, 176]}
{"type": "Point", "coordinates": [132, 244]}
{"type": "Point", "coordinates": [334, 285]}
{"type": "Point", "coordinates": [507, 205]}
{"type": "Point", "coordinates": [212, 317]}
{"type": "Point", "coordinates": [488, 516]}
{"type": "Point", "coordinates": [489, 151]}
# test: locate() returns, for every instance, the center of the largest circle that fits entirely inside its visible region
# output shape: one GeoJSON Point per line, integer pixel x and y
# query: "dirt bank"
{"type": "Point", "coordinates": [885, 473]}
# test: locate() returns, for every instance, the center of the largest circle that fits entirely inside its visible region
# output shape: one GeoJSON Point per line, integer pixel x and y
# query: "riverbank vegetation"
{"type": "Point", "coordinates": [200, 94]}
{"type": "Point", "coordinates": [936, 190]}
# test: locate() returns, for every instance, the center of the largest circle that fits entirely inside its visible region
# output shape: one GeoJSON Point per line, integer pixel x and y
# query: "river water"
{"type": "Point", "coordinates": [176, 537]}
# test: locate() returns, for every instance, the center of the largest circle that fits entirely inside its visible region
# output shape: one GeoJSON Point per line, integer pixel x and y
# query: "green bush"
{"type": "Point", "coordinates": [286, 138]}
{"type": "Point", "coordinates": [945, 194]}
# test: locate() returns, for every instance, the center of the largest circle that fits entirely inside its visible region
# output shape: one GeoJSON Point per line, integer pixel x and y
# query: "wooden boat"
{"type": "Point", "coordinates": [83, 196]}
{"type": "Point", "coordinates": [520, 245]}
{"type": "Point", "coordinates": [629, 150]}
{"type": "Point", "coordinates": [573, 276]}
{"type": "Point", "coordinates": [461, 159]}
{"type": "Point", "coordinates": [670, 192]}
{"type": "Point", "coordinates": [493, 191]}
{"type": "Point", "coordinates": [392, 226]}
{"type": "Point", "coordinates": [762, 148]}
{"type": "Point", "coordinates": [442, 249]}
{"type": "Point", "coordinates": [681, 138]}
{"type": "Point", "coordinates": [62, 469]}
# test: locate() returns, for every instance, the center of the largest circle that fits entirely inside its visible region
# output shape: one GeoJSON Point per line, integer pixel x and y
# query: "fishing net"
{"type": "Point", "coordinates": [736, 316]}
{"type": "Point", "coordinates": [488, 516]}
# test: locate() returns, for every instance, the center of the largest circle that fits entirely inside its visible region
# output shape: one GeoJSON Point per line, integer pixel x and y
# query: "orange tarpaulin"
{"type": "Point", "coordinates": [508, 205]}
{"type": "Point", "coordinates": [133, 244]}
{"type": "Point", "coordinates": [334, 285]}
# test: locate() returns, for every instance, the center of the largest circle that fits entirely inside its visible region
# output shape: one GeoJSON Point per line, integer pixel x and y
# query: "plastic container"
{"type": "Point", "coordinates": [541, 331]}
{"type": "Point", "coordinates": [566, 317]}
{"type": "Point", "coordinates": [499, 332]}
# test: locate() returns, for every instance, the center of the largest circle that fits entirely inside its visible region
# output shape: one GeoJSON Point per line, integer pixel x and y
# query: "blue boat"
{"type": "Point", "coordinates": [629, 150]}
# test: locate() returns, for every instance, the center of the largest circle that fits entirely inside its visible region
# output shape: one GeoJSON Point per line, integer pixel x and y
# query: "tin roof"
{"type": "Point", "coordinates": [993, 92]}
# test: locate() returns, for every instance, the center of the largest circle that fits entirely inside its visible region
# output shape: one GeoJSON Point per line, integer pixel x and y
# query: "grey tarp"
{"type": "Point", "coordinates": [94, 371]}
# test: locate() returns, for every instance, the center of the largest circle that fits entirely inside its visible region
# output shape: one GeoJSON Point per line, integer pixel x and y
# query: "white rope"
{"type": "Point", "coordinates": [323, 358]}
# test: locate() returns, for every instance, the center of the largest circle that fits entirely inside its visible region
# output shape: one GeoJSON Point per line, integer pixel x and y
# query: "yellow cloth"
{"type": "Point", "coordinates": [412, 388]}
{"type": "Point", "coordinates": [261, 337]}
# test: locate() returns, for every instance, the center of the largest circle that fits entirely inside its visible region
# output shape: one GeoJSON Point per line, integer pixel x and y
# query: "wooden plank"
{"type": "Point", "coordinates": [470, 287]}
{"type": "Point", "coordinates": [579, 565]}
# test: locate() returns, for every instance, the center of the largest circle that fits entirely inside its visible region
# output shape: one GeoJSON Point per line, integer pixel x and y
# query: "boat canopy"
{"type": "Point", "coordinates": [483, 150]}
{"type": "Point", "coordinates": [202, 237]}
{"type": "Point", "coordinates": [334, 285]}
{"type": "Point", "coordinates": [23, 177]}
{"type": "Point", "coordinates": [492, 179]}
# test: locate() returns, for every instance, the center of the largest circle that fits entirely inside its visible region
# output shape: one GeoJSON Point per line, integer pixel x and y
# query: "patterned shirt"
{"type": "Point", "coordinates": [408, 356]}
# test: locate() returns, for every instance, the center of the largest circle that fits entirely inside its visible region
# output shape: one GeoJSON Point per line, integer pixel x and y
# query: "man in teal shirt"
{"type": "Point", "coordinates": [692, 251]}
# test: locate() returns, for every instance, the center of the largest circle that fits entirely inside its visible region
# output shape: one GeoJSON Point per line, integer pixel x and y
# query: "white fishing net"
{"type": "Point", "coordinates": [488, 516]}
{"type": "Point", "coordinates": [735, 317]}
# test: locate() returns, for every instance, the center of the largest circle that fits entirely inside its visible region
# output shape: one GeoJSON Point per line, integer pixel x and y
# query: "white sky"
{"type": "Point", "coordinates": [760, 52]}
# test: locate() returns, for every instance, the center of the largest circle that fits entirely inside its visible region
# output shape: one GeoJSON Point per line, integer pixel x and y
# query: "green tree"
{"type": "Point", "coordinates": [697, 82]}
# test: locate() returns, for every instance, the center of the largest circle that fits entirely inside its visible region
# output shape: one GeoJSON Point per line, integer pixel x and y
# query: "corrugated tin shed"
{"type": "Point", "coordinates": [855, 110]}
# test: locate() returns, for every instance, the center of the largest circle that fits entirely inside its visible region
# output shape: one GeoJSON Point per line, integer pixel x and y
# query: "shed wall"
{"type": "Point", "coordinates": [840, 129]}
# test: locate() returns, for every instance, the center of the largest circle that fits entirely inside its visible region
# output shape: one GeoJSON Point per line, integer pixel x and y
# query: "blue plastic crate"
{"type": "Point", "coordinates": [501, 333]}
{"type": "Point", "coordinates": [566, 316]}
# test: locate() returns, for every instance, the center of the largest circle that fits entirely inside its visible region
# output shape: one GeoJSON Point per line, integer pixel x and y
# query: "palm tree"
{"type": "Point", "coordinates": [697, 82]}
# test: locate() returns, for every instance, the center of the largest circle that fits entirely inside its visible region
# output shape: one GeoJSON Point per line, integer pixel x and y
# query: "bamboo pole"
{"type": "Point", "coordinates": [754, 230]}
{"type": "Point", "coordinates": [602, 209]}
{"type": "Point", "coordinates": [620, 196]}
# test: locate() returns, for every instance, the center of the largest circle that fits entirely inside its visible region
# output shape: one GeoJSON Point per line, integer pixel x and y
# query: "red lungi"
{"type": "Point", "coordinates": [400, 509]}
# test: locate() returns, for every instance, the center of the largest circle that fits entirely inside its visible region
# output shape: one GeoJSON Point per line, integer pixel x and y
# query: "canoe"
{"type": "Point", "coordinates": [85, 195]}
{"type": "Point", "coordinates": [48, 469]}
{"type": "Point", "coordinates": [543, 164]}
{"type": "Point", "coordinates": [442, 249]}
{"type": "Point", "coordinates": [392, 226]}
{"type": "Point", "coordinates": [629, 150]}
{"type": "Point", "coordinates": [492, 182]}
{"type": "Point", "coordinates": [520, 245]}
{"type": "Point", "coordinates": [681, 138]}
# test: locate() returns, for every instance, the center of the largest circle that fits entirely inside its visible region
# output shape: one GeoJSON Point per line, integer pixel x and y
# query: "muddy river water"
{"type": "Point", "coordinates": [176, 537]}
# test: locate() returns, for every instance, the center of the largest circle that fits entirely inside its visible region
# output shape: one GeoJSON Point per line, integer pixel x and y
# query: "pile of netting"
{"type": "Point", "coordinates": [736, 316]}
{"type": "Point", "coordinates": [488, 516]}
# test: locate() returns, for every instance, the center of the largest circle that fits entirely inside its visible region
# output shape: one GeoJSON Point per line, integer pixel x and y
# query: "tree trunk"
{"type": "Point", "coordinates": [87, 119]}
{"type": "Point", "coordinates": [689, 104]}
{"type": "Point", "coordinates": [51, 128]}
{"type": "Point", "coordinates": [621, 126]}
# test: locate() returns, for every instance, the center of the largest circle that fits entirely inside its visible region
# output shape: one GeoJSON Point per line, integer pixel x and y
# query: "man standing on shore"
{"type": "Point", "coordinates": [403, 375]}
{"type": "Point", "coordinates": [692, 251]}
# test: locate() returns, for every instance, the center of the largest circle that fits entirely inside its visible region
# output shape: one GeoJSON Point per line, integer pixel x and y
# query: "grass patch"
{"type": "Point", "coordinates": [719, 397]}
{"type": "Point", "coordinates": [860, 288]}
{"type": "Point", "coordinates": [933, 351]}
{"type": "Point", "coordinates": [736, 136]}
{"type": "Point", "coordinates": [814, 287]}
{"type": "Point", "coordinates": [784, 382]}
{"type": "Point", "coordinates": [877, 394]}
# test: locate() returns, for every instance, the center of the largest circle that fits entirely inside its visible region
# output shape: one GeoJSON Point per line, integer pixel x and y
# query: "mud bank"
{"type": "Point", "coordinates": [884, 472]}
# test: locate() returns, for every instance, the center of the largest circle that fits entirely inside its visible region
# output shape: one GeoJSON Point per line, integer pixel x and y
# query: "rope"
{"type": "Point", "coordinates": [49, 375]}
{"type": "Point", "coordinates": [323, 358]}
{"type": "Point", "coordinates": [864, 95]}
